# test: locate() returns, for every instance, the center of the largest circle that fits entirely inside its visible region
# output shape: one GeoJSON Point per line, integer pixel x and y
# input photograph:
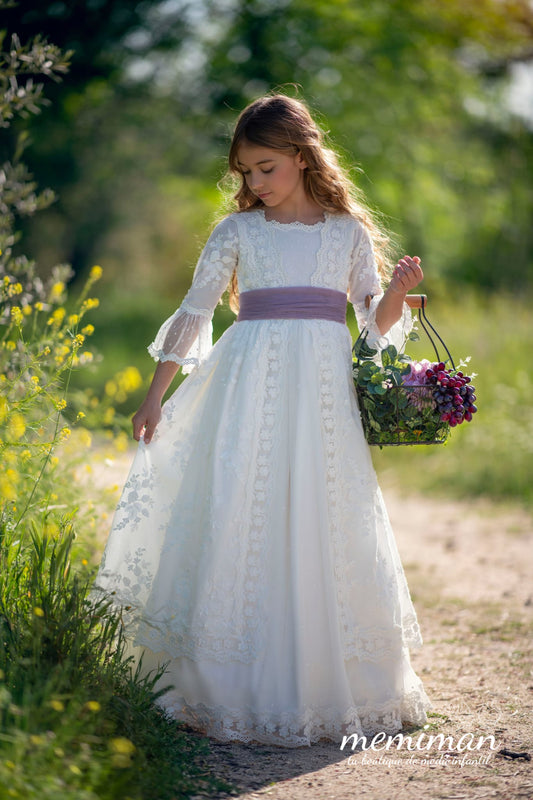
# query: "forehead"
{"type": "Point", "coordinates": [251, 154]}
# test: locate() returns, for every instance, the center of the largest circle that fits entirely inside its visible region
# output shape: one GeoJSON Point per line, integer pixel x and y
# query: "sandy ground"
{"type": "Point", "coordinates": [470, 571]}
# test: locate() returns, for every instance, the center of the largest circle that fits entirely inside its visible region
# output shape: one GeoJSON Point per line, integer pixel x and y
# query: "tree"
{"type": "Point", "coordinates": [415, 92]}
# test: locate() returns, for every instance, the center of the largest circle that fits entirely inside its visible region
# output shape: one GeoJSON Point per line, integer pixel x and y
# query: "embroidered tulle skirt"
{"type": "Point", "coordinates": [253, 549]}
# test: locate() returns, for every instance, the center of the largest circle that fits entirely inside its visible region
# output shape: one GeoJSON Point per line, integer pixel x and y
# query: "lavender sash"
{"type": "Point", "coordinates": [293, 302]}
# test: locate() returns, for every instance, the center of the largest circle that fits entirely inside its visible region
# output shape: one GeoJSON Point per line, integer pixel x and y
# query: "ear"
{"type": "Point", "coordinates": [300, 161]}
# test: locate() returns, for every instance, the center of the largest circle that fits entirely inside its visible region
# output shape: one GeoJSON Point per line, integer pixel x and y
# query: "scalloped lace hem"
{"type": "Point", "coordinates": [160, 355]}
{"type": "Point", "coordinates": [298, 729]}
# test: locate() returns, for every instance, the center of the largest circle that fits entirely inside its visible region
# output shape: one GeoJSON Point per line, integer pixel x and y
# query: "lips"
{"type": "Point", "coordinates": [265, 194]}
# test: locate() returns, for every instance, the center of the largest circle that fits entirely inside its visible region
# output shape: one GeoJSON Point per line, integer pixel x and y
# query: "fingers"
{"type": "Point", "coordinates": [148, 433]}
{"type": "Point", "coordinates": [145, 422]}
{"type": "Point", "coordinates": [138, 425]}
{"type": "Point", "coordinates": [407, 273]}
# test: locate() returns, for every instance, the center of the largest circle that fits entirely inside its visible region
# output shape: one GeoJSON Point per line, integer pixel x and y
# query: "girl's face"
{"type": "Point", "coordinates": [275, 177]}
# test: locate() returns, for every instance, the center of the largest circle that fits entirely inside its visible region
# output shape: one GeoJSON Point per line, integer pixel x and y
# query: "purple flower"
{"type": "Point", "coordinates": [419, 398]}
{"type": "Point", "coordinates": [418, 373]}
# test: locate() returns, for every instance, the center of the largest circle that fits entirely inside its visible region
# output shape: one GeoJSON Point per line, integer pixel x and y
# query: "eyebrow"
{"type": "Point", "coordinates": [264, 161]}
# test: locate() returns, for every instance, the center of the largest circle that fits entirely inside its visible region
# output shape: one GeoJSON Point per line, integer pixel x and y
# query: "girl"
{"type": "Point", "coordinates": [251, 543]}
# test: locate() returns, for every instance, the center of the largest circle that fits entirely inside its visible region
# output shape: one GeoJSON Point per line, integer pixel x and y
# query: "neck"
{"type": "Point", "coordinates": [296, 210]}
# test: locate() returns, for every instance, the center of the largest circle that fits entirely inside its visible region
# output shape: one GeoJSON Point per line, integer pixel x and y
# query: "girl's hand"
{"type": "Point", "coordinates": [406, 275]}
{"type": "Point", "coordinates": [146, 418]}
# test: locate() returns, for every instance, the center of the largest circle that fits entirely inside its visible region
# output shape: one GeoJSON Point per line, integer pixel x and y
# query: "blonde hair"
{"type": "Point", "coordinates": [284, 124]}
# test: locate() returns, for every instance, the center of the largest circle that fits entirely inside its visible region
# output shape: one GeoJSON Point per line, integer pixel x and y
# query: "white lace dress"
{"type": "Point", "coordinates": [251, 544]}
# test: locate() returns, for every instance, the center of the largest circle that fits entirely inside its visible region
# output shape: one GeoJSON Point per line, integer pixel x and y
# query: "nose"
{"type": "Point", "coordinates": [255, 182]}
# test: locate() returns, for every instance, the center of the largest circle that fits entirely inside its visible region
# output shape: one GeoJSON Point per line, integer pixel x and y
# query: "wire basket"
{"type": "Point", "coordinates": [394, 413]}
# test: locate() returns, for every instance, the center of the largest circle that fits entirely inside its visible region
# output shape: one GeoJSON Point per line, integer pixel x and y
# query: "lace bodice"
{"type": "Point", "coordinates": [335, 253]}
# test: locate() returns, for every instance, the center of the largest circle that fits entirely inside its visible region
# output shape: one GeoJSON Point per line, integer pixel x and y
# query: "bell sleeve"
{"type": "Point", "coordinates": [187, 336]}
{"type": "Point", "coordinates": [364, 280]}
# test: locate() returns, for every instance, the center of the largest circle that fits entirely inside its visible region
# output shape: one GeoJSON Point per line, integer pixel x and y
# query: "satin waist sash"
{"type": "Point", "coordinates": [293, 302]}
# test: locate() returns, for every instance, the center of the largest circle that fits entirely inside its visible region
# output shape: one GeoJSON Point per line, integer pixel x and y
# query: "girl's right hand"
{"type": "Point", "coordinates": [146, 418]}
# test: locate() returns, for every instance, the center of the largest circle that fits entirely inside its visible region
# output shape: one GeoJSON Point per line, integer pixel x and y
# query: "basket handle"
{"type": "Point", "coordinates": [412, 300]}
{"type": "Point", "coordinates": [420, 301]}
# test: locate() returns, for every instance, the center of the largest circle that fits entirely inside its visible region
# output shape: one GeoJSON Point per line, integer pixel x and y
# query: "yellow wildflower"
{"type": "Point", "coordinates": [3, 408]}
{"type": "Point", "coordinates": [57, 705]}
{"type": "Point", "coordinates": [38, 611]}
{"type": "Point", "coordinates": [16, 316]}
{"type": "Point", "coordinates": [111, 388]}
{"type": "Point", "coordinates": [57, 317]}
{"type": "Point", "coordinates": [78, 340]}
{"type": "Point", "coordinates": [57, 290]}
{"type": "Point", "coordinates": [64, 433]}
{"type": "Point", "coordinates": [10, 457]}
{"type": "Point", "coordinates": [53, 497]}
{"type": "Point", "coordinates": [16, 426]}
{"type": "Point", "coordinates": [25, 455]}
{"type": "Point", "coordinates": [75, 769]}
{"type": "Point", "coordinates": [13, 289]}
{"type": "Point", "coordinates": [10, 345]}
{"type": "Point", "coordinates": [26, 310]}
{"type": "Point", "coordinates": [109, 415]}
{"type": "Point", "coordinates": [86, 357]}
{"type": "Point", "coordinates": [93, 705]}
{"type": "Point", "coordinates": [38, 306]}
{"type": "Point", "coordinates": [95, 273]}
{"type": "Point", "coordinates": [7, 489]}
{"type": "Point", "coordinates": [61, 404]}
{"type": "Point", "coordinates": [122, 750]}
{"type": "Point", "coordinates": [122, 745]}
{"type": "Point", "coordinates": [35, 379]}
{"type": "Point", "coordinates": [73, 319]}
{"type": "Point", "coordinates": [89, 304]}
{"type": "Point", "coordinates": [129, 379]}
{"type": "Point", "coordinates": [54, 461]}
{"type": "Point", "coordinates": [88, 330]}
{"type": "Point", "coordinates": [81, 415]}
{"type": "Point", "coordinates": [46, 351]}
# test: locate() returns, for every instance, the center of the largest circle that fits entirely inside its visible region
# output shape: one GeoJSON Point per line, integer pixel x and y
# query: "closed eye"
{"type": "Point", "coordinates": [263, 171]}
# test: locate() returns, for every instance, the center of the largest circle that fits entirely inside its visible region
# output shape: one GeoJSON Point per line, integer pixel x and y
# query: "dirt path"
{"type": "Point", "coordinates": [470, 571]}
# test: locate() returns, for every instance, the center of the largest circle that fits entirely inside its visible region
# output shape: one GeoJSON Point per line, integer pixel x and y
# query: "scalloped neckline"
{"type": "Point", "coordinates": [296, 224]}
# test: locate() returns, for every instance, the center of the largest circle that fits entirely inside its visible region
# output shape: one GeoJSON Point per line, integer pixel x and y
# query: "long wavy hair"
{"type": "Point", "coordinates": [284, 124]}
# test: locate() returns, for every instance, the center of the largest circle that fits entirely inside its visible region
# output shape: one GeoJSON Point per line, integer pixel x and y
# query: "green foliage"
{"type": "Point", "coordinates": [414, 93]}
{"type": "Point", "coordinates": [77, 721]}
{"type": "Point", "coordinates": [392, 413]}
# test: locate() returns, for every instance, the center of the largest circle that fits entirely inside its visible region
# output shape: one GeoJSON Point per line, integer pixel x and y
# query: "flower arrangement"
{"type": "Point", "coordinates": [403, 401]}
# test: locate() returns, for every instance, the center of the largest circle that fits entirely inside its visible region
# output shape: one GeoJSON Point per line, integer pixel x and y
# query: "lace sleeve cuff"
{"type": "Point", "coordinates": [396, 335]}
{"type": "Point", "coordinates": [185, 338]}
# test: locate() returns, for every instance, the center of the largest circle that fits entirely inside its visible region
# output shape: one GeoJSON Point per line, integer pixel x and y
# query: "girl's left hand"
{"type": "Point", "coordinates": [406, 275]}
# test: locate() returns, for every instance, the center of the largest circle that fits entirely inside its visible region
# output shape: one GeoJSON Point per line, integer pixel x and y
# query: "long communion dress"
{"type": "Point", "coordinates": [251, 544]}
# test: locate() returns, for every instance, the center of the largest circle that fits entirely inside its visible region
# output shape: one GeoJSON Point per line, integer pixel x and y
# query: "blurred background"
{"type": "Point", "coordinates": [429, 102]}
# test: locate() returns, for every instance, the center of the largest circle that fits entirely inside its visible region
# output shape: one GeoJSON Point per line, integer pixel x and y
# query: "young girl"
{"type": "Point", "coordinates": [251, 544]}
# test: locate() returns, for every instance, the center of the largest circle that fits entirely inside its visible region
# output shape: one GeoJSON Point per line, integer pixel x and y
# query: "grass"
{"type": "Point", "coordinates": [76, 721]}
